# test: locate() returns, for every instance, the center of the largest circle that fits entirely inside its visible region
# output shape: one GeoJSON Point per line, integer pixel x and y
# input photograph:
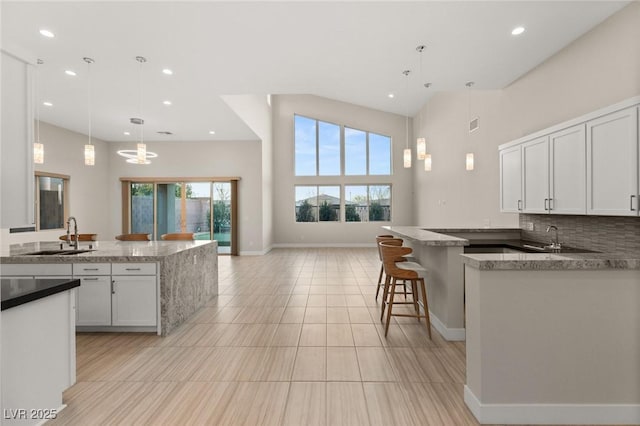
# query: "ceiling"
{"type": "Point", "coordinates": [348, 51]}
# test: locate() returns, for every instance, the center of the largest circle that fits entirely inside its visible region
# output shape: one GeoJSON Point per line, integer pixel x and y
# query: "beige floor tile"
{"type": "Point", "coordinates": [359, 315]}
{"type": "Point", "coordinates": [346, 404]}
{"type": "Point", "coordinates": [313, 335]}
{"type": "Point", "coordinates": [227, 314]}
{"type": "Point", "coordinates": [356, 300]}
{"type": "Point", "coordinates": [387, 406]}
{"type": "Point", "coordinates": [317, 290]}
{"type": "Point", "coordinates": [337, 315]}
{"type": "Point", "coordinates": [351, 289]}
{"type": "Point", "coordinates": [336, 300]}
{"type": "Point", "coordinates": [374, 365]}
{"type": "Point", "coordinates": [276, 365]}
{"type": "Point", "coordinates": [431, 365]}
{"type": "Point", "coordinates": [317, 300]}
{"type": "Point", "coordinates": [306, 404]}
{"type": "Point", "coordinates": [342, 364]}
{"type": "Point", "coordinates": [453, 363]}
{"type": "Point", "coordinates": [286, 335]}
{"type": "Point", "coordinates": [365, 335]}
{"type": "Point", "coordinates": [315, 315]}
{"type": "Point", "coordinates": [297, 300]}
{"type": "Point", "coordinates": [406, 365]}
{"type": "Point", "coordinates": [213, 333]}
{"type": "Point", "coordinates": [293, 315]}
{"type": "Point", "coordinates": [310, 364]}
{"type": "Point", "coordinates": [256, 403]}
{"type": "Point", "coordinates": [339, 335]}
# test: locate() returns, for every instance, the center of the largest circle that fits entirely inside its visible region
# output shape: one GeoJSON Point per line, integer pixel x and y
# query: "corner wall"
{"type": "Point", "coordinates": [289, 233]}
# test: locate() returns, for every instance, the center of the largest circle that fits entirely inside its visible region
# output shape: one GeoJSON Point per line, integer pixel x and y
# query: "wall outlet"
{"type": "Point", "coordinates": [529, 226]}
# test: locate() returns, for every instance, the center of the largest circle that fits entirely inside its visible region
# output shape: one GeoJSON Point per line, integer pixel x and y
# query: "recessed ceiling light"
{"type": "Point", "coordinates": [71, 73]}
{"type": "Point", "coordinates": [167, 71]}
{"type": "Point", "coordinates": [517, 31]}
{"type": "Point", "coordinates": [212, 132]}
{"type": "Point", "coordinates": [47, 33]}
{"type": "Point", "coordinates": [46, 103]}
{"type": "Point", "coordinates": [391, 96]}
{"type": "Point", "coordinates": [126, 133]}
{"type": "Point", "coordinates": [166, 102]}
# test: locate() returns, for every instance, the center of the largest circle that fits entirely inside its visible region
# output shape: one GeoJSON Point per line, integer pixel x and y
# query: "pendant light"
{"type": "Point", "coordinates": [140, 155]}
{"type": "Point", "coordinates": [407, 150]}
{"type": "Point", "coordinates": [38, 147]}
{"type": "Point", "coordinates": [469, 158]}
{"type": "Point", "coordinates": [421, 143]}
{"type": "Point", "coordinates": [89, 149]}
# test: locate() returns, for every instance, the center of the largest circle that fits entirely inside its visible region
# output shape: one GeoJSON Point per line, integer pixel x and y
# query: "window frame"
{"type": "Point", "coordinates": [66, 186]}
{"type": "Point", "coordinates": [340, 217]}
{"type": "Point", "coordinates": [368, 186]}
{"type": "Point", "coordinates": [317, 147]}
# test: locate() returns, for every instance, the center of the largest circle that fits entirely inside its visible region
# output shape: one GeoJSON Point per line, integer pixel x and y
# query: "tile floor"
{"type": "Point", "coordinates": [294, 338]}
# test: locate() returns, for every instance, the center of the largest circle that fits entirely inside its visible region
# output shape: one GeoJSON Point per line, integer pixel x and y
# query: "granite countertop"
{"type": "Point", "coordinates": [424, 237]}
{"type": "Point", "coordinates": [18, 291]}
{"type": "Point", "coordinates": [551, 261]}
{"type": "Point", "coordinates": [472, 230]}
{"type": "Point", "coordinates": [101, 251]}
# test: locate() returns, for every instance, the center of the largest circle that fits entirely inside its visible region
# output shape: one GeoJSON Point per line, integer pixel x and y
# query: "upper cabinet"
{"type": "Point", "coordinates": [589, 165]}
{"type": "Point", "coordinates": [17, 189]}
{"type": "Point", "coordinates": [612, 160]}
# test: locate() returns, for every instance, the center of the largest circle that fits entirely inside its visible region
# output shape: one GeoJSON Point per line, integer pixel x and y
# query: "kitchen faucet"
{"type": "Point", "coordinates": [73, 243]}
{"type": "Point", "coordinates": [555, 243]}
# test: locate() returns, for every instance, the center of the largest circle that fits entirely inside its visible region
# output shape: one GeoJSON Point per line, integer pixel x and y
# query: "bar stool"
{"type": "Point", "coordinates": [182, 236]}
{"type": "Point", "coordinates": [133, 237]}
{"type": "Point", "coordinates": [378, 239]}
{"type": "Point", "coordinates": [397, 270]}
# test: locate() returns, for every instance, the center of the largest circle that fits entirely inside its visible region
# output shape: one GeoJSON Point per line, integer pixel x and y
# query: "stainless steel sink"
{"type": "Point", "coordinates": [57, 252]}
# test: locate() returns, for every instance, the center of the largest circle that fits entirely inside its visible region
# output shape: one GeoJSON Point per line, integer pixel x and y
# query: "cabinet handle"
{"type": "Point", "coordinates": [89, 269]}
{"type": "Point", "coordinates": [550, 204]}
{"type": "Point", "coordinates": [520, 205]}
{"type": "Point", "coordinates": [113, 286]}
{"type": "Point", "coordinates": [631, 203]}
{"type": "Point", "coordinates": [546, 201]}
{"type": "Point", "coordinates": [132, 269]}
{"type": "Point", "coordinates": [90, 279]}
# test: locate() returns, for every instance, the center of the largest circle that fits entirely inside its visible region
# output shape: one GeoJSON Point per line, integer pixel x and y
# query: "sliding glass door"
{"type": "Point", "coordinates": [206, 208]}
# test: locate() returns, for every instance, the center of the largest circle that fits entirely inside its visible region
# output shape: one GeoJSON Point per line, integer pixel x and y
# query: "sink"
{"type": "Point", "coordinates": [57, 252]}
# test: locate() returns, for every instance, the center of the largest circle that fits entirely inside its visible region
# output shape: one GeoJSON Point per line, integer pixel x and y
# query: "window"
{"type": "Point", "coordinates": [317, 203]}
{"type": "Point", "coordinates": [317, 147]}
{"type": "Point", "coordinates": [366, 153]}
{"type": "Point", "coordinates": [367, 203]}
{"type": "Point", "coordinates": [52, 204]}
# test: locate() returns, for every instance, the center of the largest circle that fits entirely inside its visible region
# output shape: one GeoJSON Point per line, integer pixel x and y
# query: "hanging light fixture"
{"type": "Point", "coordinates": [407, 150]}
{"type": "Point", "coordinates": [469, 160]}
{"type": "Point", "coordinates": [38, 147]}
{"type": "Point", "coordinates": [89, 149]}
{"type": "Point", "coordinates": [427, 162]}
{"type": "Point", "coordinates": [421, 143]}
{"type": "Point", "coordinates": [140, 155]}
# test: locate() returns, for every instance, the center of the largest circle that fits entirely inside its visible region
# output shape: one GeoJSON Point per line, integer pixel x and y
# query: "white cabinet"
{"type": "Point", "coordinates": [567, 171]}
{"type": "Point", "coordinates": [612, 164]}
{"type": "Point", "coordinates": [134, 301]}
{"type": "Point", "coordinates": [511, 180]}
{"type": "Point", "coordinates": [94, 301]}
{"type": "Point", "coordinates": [535, 176]}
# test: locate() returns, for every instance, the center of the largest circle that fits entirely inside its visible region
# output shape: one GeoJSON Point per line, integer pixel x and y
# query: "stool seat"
{"type": "Point", "coordinates": [411, 266]}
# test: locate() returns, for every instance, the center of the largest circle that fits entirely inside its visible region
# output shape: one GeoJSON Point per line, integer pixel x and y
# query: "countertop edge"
{"type": "Point", "coordinates": [40, 294]}
{"type": "Point", "coordinates": [558, 262]}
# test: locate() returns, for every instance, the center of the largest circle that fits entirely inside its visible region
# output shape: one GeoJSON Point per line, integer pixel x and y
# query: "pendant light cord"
{"type": "Point", "coordinates": [141, 60]}
{"type": "Point", "coordinates": [37, 84]}
{"type": "Point", "coordinates": [406, 105]}
{"type": "Point", "coordinates": [89, 61]}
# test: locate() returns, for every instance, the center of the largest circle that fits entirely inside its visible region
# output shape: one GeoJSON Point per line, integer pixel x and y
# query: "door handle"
{"type": "Point", "coordinates": [113, 286]}
{"type": "Point", "coordinates": [90, 279]}
{"type": "Point", "coordinates": [550, 204]}
{"type": "Point", "coordinates": [546, 202]}
{"type": "Point", "coordinates": [520, 205]}
{"type": "Point", "coordinates": [631, 203]}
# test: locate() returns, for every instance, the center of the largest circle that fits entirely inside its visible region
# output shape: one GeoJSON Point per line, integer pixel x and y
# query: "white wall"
{"type": "Point", "coordinates": [598, 69]}
{"type": "Point", "coordinates": [198, 159]}
{"type": "Point", "coordinates": [286, 230]}
{"type": "Point", "coordinates": [256, 113]}
{"type": "Point", "coordinates": [88, 202]}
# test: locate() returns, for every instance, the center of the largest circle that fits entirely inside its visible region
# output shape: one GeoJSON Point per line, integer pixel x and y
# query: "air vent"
{"type": "Point", "coordinates": [136, 120]}
{"type": "Point", "coordinates": [474, 124]}
{"type": "Point", "coordinates": [165, 133]}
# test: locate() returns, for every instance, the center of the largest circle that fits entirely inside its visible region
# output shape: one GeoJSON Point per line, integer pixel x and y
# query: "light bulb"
{"type": "Point", "coordinates": [407, 158]}
{"type": "Point", "coordinates": [427, 162]}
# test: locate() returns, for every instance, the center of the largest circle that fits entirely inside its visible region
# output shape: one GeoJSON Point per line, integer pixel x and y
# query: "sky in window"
{"type": "Point", "coordinates": [329, 149]}
{"type": "Point", "coordinates": [379, 154]}
{"type": "Point", "coordinates": [355, 152]}
{"type": "Point", "coordinates": [305, 146]}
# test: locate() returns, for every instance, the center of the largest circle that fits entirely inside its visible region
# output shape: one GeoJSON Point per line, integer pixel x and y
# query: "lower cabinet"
{"type": "Point", "coordinates": [93, 306]}
{"type": "Point", "coordinates": [133, 300]}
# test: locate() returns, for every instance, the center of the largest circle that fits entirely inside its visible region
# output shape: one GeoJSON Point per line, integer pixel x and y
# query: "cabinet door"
{"type": "Point", "coordinates": [511, 180]}
{"type": "Point", "coordinates": [612, 164]}
{"type": "Point", "coordinates": [134, 300]}
{"type": "Point", "coordinates": [535, 176]}
{"type": "Point", "coordinates": [568, 167]}
{"type": "Point", "coordinates": [93, 306]}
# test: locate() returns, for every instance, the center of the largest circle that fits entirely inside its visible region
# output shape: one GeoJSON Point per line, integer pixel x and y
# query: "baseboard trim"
{"type": "Point", "coordinates": [544, 414]}
{"type": "Point", "coordinates": [255, 252]}
{"type": "Point", "coordinates": [450, 334]}
{"type": "Point", "coordinates": [58, 410]}
{"type": "Point", "coordinates": [324, 245]}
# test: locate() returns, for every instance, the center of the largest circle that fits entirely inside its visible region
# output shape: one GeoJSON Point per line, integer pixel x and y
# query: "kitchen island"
{"type": "Point", "coordinates": [126, 286]}
{"type": "Point", "coordinates": [553, 338]}
{"type": "Point", "coordinates": [440, 251]}
{"type": "Point", "coordinates": [38, 347]}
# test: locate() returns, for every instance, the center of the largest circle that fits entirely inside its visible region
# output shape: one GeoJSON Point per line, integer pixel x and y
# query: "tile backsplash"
{"type": "Point", "coordinates": [599, 233]}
